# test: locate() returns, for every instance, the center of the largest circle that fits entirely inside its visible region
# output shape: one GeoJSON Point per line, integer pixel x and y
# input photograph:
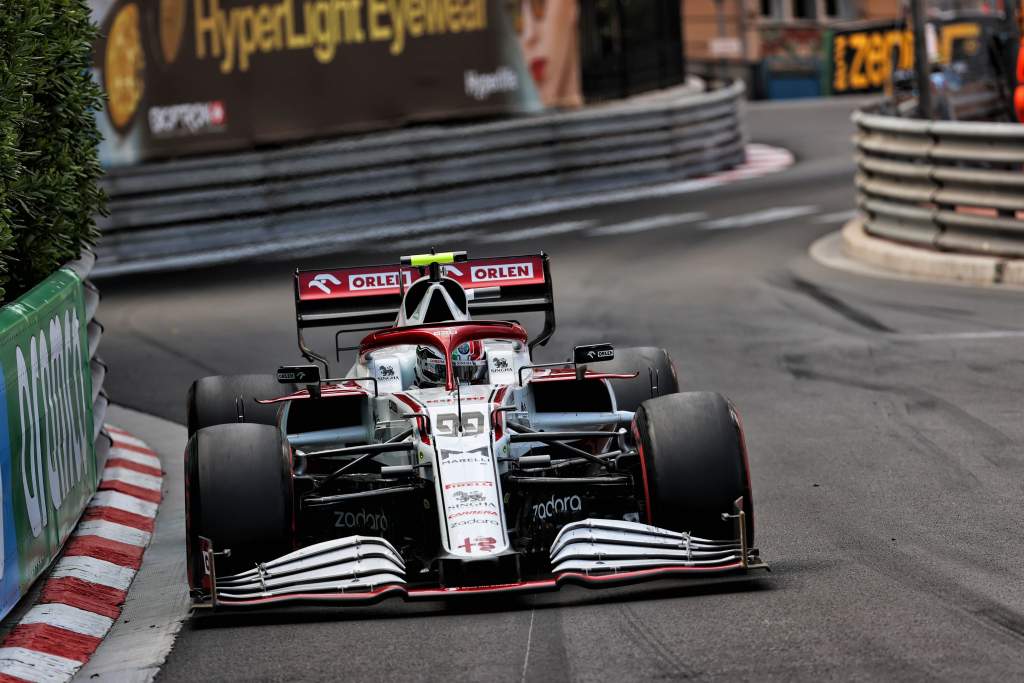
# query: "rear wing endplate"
{"type": "Point", "coordinates": [367, 298]}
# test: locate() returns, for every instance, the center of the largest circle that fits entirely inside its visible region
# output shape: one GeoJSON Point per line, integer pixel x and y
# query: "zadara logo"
{"type": "Point", "coordinates": [557, 506]}
{"type": "Point", "coordinates": [187, 119]}
{"type": "Point", "coordinates": [361, 520]}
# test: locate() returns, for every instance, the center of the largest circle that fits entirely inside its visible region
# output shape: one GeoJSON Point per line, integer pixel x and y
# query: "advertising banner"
{"type": "Point", "coordinates": [47, 456]}
{"type": "Point", "coordinates": [863, 58]}
{"type": "Point", "coordinates": [193, 76]}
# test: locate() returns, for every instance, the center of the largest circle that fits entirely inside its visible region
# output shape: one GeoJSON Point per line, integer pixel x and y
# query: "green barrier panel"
{"type": "Point", "coordinates": [47, 454]}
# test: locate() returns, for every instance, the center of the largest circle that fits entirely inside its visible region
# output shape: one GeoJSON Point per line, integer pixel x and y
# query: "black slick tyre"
{"type": "Point", "coordinates": [238, 493]}
{"type": "Point", "coordinates": [220, 399]}
{"type": "Point", "coordinates": [657, 375]}
{"type": "Point", "coordinates": [694, 464]}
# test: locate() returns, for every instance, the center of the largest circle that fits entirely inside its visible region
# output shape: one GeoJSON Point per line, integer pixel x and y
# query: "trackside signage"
{"type": "Point", "coordinates": [47, 456]}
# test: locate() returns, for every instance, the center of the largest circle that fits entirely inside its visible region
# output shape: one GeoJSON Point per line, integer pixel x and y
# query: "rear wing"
{"type": "Point", "coordinates": [367, 298]}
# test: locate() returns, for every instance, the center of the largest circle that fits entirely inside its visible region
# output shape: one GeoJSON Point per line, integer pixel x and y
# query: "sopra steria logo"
{"type": "Point", "coordinates": [187, 119]}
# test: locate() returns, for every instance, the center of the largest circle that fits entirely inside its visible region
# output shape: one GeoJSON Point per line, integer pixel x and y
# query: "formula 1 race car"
{"type": "Point", "coordinates": [446, 462]}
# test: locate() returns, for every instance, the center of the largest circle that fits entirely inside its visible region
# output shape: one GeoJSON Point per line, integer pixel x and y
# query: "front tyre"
{"type": "Point", "coordinates": [694, 464]}
{"type": "Point", "coordinates": [238, 493]}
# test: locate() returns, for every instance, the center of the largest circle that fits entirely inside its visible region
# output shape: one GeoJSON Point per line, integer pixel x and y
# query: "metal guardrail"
{"type": "Point", "coordinates": [98, 369]}
{"type": "Point", "coordinates": [222, 204]}
{"type": "Point", "coordinates": [945, 185]}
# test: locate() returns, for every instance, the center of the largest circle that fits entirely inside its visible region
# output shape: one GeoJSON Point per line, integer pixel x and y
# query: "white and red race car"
{"type": "Point", "coordinates": [446, 462]}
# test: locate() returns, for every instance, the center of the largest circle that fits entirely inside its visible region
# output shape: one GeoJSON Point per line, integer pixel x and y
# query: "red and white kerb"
{"type": "Point", "coordinates": [86, 588]}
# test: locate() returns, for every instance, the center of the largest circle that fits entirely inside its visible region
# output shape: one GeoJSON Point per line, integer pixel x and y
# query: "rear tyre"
{"type": "Point", "coordinates": [694, 464]}
{"type": "Point", "coordinates": [657, 375]}
{"type": "Point", "coordinates": [219, 399]}
{"type": "Point", "coordinates": [238, 493]}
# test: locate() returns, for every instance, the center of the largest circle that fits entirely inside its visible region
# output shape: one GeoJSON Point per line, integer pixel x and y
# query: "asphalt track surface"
{"type": "Point", "coordinates": [883, 419]}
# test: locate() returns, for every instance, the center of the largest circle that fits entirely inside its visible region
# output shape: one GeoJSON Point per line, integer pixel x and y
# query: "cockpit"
{"type": "Point", "coordinates": [431, 362]}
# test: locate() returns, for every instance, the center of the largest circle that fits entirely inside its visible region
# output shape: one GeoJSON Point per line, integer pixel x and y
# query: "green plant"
{"type": "Point", "coordinates": [48, 162]}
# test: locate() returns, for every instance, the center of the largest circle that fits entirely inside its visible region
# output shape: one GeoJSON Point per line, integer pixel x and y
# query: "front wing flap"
{"type": "Point", "coordinates": [592, 552]}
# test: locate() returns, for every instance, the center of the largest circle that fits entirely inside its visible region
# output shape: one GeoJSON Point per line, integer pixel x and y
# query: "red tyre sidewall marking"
{"type": "Point", "coordinates": [643, 471]}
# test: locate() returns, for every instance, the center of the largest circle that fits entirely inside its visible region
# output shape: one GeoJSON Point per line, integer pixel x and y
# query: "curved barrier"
{"type": "Point", "coordinates": [52, 404]}
{"type": "Point", "coordinates": [943, 185]}
{"type": "Point", "coordinates": [216, 205]}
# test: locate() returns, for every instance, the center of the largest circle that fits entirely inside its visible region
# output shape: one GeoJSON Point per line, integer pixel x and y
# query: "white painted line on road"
{"type": "Point", "coordinates": [143, 481]}
{"type": "Point", "coordinates": [783, 159]}
{"type": "Point", "coordinates": [69, 618]}
{"type": "Point", "coordinates": [40, 667]}
{"type": "Point", "coordinates": [835, 217]}
{"type": "Point", "coordinates": [94, 570]}
{"type": "Point", "coordinates": [748, 220]}
{"type": "Point", "coordinates": [122, 501]}
{"type": "Point", "coordinates": [529, 642]}
{"type": "Point", "coordinates": [956, 336]}
{"type": "Point", "coordinates": [424, 242]}
{"type": "Point", "coordinates": [649, 223]}
{"type": "Point", "coordinates": [113, 531]}
{"type": "Point", "coordinates": [538, 231]}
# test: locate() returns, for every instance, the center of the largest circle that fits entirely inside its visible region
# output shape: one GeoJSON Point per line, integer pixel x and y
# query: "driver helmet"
{"type": "Point", "coordinates": [469, 362]}
{"type": "Point", "coordinates": [429, 367]}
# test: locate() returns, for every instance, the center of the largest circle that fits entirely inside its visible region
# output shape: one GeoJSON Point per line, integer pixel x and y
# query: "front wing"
{"type": "Point", "coordinates": [362, 570]}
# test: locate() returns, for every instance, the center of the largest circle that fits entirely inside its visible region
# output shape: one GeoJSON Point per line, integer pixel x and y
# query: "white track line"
{"type": "Point", "coordinates": [835, 217]}
{"type": "Point", "coordinates": [783, 159]}
{"type": "Point", "coordinates": [748, 220]}
{"type": "Point", "coordinates": [69, 618]}
{"type": "Point", "coordinates": [35, 666]}
{"type": "Point", "coordinates": [649, 223]}
{"type": "Point", "coordinates": [94, 570]}
{"type": "Point", "coordinates": [143, 481]}
{"type": "Point", "coordinates": [416, 244]}
{"type": "Point", "coordinates": [529, 642]}
{"type": "Point", "coordinates": [956, 336]}
{"type": "Point", "coordinates": [538, 231]}
{"type": "Point", "coordinates": [124, 502]}
{"type": "Point", "coordinates": [113, 531]}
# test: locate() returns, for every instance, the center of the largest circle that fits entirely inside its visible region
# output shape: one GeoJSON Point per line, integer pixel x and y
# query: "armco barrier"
{"type": "Point", "coordinates": [214, 205]}
{"type": "Point", "coordinates": [944, 185]}
{"type": "Point", "coordinates": [51, 413]}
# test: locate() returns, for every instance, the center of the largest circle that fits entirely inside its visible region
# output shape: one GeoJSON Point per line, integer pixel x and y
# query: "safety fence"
{"type": "Point", "coordinates": [944, 185]}
{"type": "Point", "coordinates": [52, 405]}
{"type": "Point", "coordinates": [212, 209]}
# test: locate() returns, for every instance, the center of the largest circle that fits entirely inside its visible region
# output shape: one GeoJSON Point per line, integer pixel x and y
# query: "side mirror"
{"type": "Point", "coordinates": [299, 374]}
{"type": "Point", "coordinates": [592, 353]}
